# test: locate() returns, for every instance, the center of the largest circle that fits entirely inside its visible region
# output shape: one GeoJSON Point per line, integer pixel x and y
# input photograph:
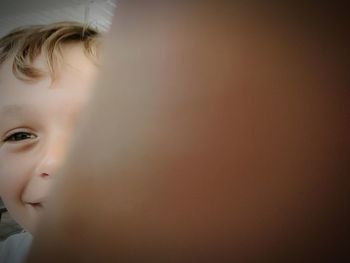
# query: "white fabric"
{"type": "Point", "coordinates": [15, 248]}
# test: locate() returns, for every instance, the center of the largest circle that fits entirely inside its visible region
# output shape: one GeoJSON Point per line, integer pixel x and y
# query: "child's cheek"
{"type": "Point", "coordinates": [15, 171]}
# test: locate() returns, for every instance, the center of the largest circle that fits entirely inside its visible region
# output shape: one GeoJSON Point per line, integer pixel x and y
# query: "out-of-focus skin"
{"type": "Point", "coordinates": [37, 120]}
{"type": "Point", "coordinates": [217, 132]}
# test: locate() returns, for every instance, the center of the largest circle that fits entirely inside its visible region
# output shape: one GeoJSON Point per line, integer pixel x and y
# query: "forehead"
{"type": "Point", "coordinates": [42, 97]}
{"type": "Point", "coordinates": [68, 56]}
{"type": "Point", "coordinates": [75, 76]}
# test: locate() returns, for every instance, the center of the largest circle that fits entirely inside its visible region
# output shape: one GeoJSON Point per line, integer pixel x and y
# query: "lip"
{"type": "Point", "coordinates": [36, 205]}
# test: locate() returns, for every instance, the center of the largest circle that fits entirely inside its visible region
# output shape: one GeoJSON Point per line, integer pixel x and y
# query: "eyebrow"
{"type": "Point", "coordinates": [11, 112]}
{"type": "Point", "coordinates": [16, 111]}
{"type": "Point", "coordinates": [12, 109]}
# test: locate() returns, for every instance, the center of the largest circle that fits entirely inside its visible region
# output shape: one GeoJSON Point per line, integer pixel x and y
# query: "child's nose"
{"type": "Point", "coordinates": [49, 162]}
{"type": "Point", "coordinates": [44, 174]}
{"type": "Point", "coordinates": [51, 159]}
{"type": "Point", "coordinates": [48, 166]}
{"type": "Point", "coordinates": [38, 186]}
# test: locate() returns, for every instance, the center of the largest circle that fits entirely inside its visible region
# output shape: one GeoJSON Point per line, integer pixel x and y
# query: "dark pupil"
{"type": "Point", "coordinates": [20, 136]}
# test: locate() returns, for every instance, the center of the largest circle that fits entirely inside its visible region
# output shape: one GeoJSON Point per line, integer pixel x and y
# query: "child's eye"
{"type": "Point", "coordinates": [20, 136]}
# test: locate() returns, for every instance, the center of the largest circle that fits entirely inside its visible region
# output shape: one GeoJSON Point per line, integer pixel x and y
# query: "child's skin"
{"type": "Point", "coordinates": [36, 122]}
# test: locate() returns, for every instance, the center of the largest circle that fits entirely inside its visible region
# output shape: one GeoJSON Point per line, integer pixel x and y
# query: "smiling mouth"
{"type": "Point", "coordinates": [36, 205]}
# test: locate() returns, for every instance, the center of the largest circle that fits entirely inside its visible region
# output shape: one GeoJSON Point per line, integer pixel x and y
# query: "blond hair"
{"type": "Point", "coordinates": [25, 44]}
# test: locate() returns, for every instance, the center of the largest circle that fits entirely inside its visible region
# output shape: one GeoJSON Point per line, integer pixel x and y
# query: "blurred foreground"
{"type": "Point", "coordinates": [218, 132]}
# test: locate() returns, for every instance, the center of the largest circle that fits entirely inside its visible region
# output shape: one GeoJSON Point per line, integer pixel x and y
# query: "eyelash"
{"type": "Point", "coordinates": [12, 137]}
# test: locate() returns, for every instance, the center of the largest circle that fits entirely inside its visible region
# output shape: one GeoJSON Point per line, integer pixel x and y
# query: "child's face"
{"type": "Point", "coordinates": [36, 122]}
